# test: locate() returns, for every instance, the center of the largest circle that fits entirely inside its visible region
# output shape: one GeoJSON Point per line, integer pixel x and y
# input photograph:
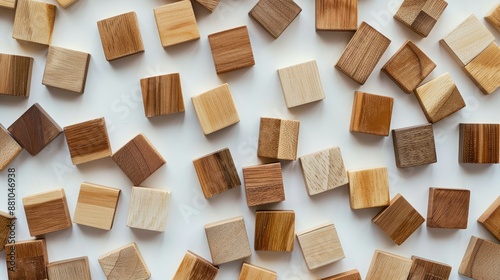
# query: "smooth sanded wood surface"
{"type": "Point", "coordinates": [9, 148]}
{"type": "Point", "coordinates": [484, 69]}
{"type": "Point", "coordinates": [148, 209]}
{"type": "Point", "coordinates": [231, 49]}
{"type": "Point", "coordinates": [263, 184]}
{"type": "Point", "coordinates": [252, 272]}
{"type": "Point", "coordinates": [162, 95]}
{"type": "Point", "coordinates": [371, 114]}
{"type": "Point", "coordinates": [301, 84]}
{"type": "Point", "coordinates": [88, 141]}
{"type": "Point", "coordinates": [66, 69]}
{"type": "Point", "coordinates": [348, 275]}
{"type": "Point", "coordinates": [337, 15]}
{"type": "Point", "coordinates": [74, 269]}
{"type": "Point", "coordinates": [34, 21]}
{"type": "Point", "coordinates": [490, 219]}
{"type": "Point", "coordinates": [194, 267]}
{"type": "Point", "coordinates": [423, 269]}
{"type": "Point", "coordinates": [388, 266]}
{"type": "Point", "coordinates": [5, 228]}
{"type": "Point", "coordinates": [10, 4]}
{"type": "Point", "coordinates": [479, 143]}
{"type": "Point", "coordinates": [274, 230]}
{"type": "Point", "coordinates": [176, 23]}
{"type": "Point", "coordinates": [368, 188]}
{"type": "Point", "coordinates": [320, 246]}
{"type": "Point", "coordinates": [480, 260]}
{"type": "Point", "coordinates": [278, 138]}
{"type": "Point", "coordinates": [66, 3]}
{"type": "Point", "coordinates": [275, 15]}
{"type": "Point", "coordinates": [414, 146]}
{"type": "Point", "coordinates": [448, 208]}
{"type": "Point", "coordinates": [420, 15]}
{"type": "Point", "coordinates": [124, 263]}
{"type": "Point", "coordinates": [210, 5]}
{"type": "Point", "coordinates": [31, 260]}
{"type": "Point", "coordinates": [228, 240]}
{"type": "Point", "coordinates": [493, 17]}
{"type": "Point", "coordinates": [15, 75]}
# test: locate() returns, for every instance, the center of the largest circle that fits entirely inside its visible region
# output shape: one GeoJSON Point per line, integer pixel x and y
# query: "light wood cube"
{"type": "Point", "coordinates": [74, 269]}
{"type": "Point", "coordinates": [9, 148]}
{"type": "Point", "coordinates": [210, 5]}
{"type": "Point", "coordinates": [33, 253]}
{"type": "Point", "coordinates": [490, 219]}
{"type": "Point", "coordinates": [228, 240]}
{"type": "Point", "coordinates": [481, 259]}
{"type": "Point", "coordinates": [88, 141]}
{"type": "Point", "coordinates": [34, 22]}
{"type": "Point", "coordinates": [479, 143]}
{"type": "Point", "coordinates": [388, 266]}
{"type": "Point", "coordinates": [274, 230]}
{"type": "Point", "coordinates": [371, 114]}
{"type": "Point", "coordinates": [448, 208]}
{"type": "Point", "coordinates": [493, 17]}
{"type": "Point", "coordinates": [6, 222]}
{"type": "Point", "coordinates": [66, 3]}
{"type": "Point", "coordinates": [231, 49]}
{"type": "Point", "coordinates": [162, 95]}
{"type": "Point", "coordinates": [420, 15]}
{"type": "Point", "coordinates": [423, 269]}
{"type": "Point", "coordinates": [320, 246]}
{"type": "Point", "coordinates": [9, 4]}
{"type": "Point", "coordinates": [148, 209]}
{"type": "Point", "coordinates": [124, 263]}
{"type": "Point", "coordinates": [414, 146]}
{"type": "Point", "coordinates": [264, 184]}
{"type": "Point", "coordinates": [484, 69]}
{"type": "Point", "coordinates": [337, 15]}
{"type": "Point", "coordinates": [96, 206]}
{"type": "Point", "coordinates": [47, 212]}
{"type": "Point", "coordinates": [275, 15]}
{"type": "Point", "coordinates": [66, 69]}
{"type": "Point", "coordinates": [120, 36]}
{"type": "Point", "coordinates": [301, 84]}
{"type": "Point", "coordinates": [251, 272]}
{"type": "Point", "coordinates": [369, 188]}
{"type": "Point", "coordinates": [348, 275]}
{"type": "Point", "coordinates": [278, 138]}
{"type": "Point", "coordinates": [176, 23]}
{"type": "Point", "coordinates": [16, 75]}
{"type": "Point", "coordinates": [194, 267]}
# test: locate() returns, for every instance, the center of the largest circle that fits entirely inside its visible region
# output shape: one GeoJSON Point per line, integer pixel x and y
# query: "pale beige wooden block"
{"type": "Point", "coordinates": [228, 240]}
{"type": "Point", "coordinates": [320, 246]}
{"type": "Point", "coordinates": [34, 21]}
{"type": "Point", "coordinates": [176, 23]}
{"type": "Point", "coordinates": [301, 84]}
{"type": "Point", "coordinates": [253, 272]}
{"type": "Point", "coordinates": [66, 3]}
{"type": "Point", "coordinates": [9, 148]}
{"type": "Point", "coordinates": [369, 188]}
{"type": "Point", "coordinates": [388, 266]}
{"type": "Point", "coordinates": [11, 4]}
{"type": "Point", "coordinates": [124, 263]}
{"type": "Point", "coordinates": [96, 206]}
{"type": "Point", "coordinates": [74, 269]}
{"type": "Point", "coordinates": [66, 69]}
{"type": "Point", "coordinates": [148, 209]}
{"type": "Point", "coordinates": [480, 260]}
{"type": "Point", "coordinates": [484, 69]}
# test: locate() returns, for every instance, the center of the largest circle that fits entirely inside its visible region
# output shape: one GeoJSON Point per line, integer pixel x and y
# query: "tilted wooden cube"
{"type": "Point", "coordinates": [124, 263]}
{"type": "Point", "coordinates": [66, 3]}
{"type": "Point", "coordinates": [120, 36]}
{"type": "Point", "coordinates": [484, 69]}
{"type": "Point", "coordinates": [96, 206]}
{"type": "Point", "coordinates": [369, 188]}
{"type": "Point", "coordinates": [9, 148]}
{"type": "Point", "coordinates": [388, 266]}
{"type": "Point", "coordinates": [210, 5]}
{"type": "Point", "coordinates": [34, 22]}
{"type": "Point", "coordinates": [274, 230]}
{"type": "Point", "coordinates": [251, 272]}
{"type": "Point", "coordinates": [371, 114]}
{"type": "Point", "coordinates": [47, 212]}
{"type": "Point", "coordinates": [228, 240]}
{"type": "Point", "coordinates": [448, 208]}
{"type": "Point", "coordinates": [414, 146]}
{"type": "Point", "coordinates": [275, 15]}
{"type": "Point", "coordinates": [348, 275]}
{"type": "Point", "coordinates": [301, 84]}
{"type": "Point", "coordinates": [423, 269]}
{"type": "Point", "coordinates": [320, 246]}
{"type": "Point", "coordinates": [16, 75]}
{"type": "Point", "coordinates": [337, 15]}
{"type": "Point", "coordinates": [194, 267]}
{"type": "Point", "coordinates": [231, 49]}
{"type": "Point", "coordinates": [479, 143]}
{"type": "Point", "coordinates": [263, 184]}
{"type": "Point", "coordinates": [490, 219]}
{"type": "Point", "coordinates": [162, 95]}
{"type": "Point", "coordinates": [148, 209]}
{"type": "Point", "coordinates": [88, 141]}
{"type": "Point", "coordinates": [480, 260]}
{"type": "Point", "coordinates": [66, 69]}
{"type": "Point", "coordinates": [493, 17]}
{"type": "Point", "coordinates": [420, 15]}
{"type": "Point", "coordinates": [176, 23]}
{"type": "Point", "coordinates": [30, 260]}
{"type": "Point", "coordinates": [278, 138]}
{"type": "Point", "coordinates": [7, 228]}
{"type": "Point", "coordinates": [75, 269]}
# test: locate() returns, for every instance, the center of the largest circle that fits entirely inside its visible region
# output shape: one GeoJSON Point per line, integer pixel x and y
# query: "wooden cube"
{"type": "Point", "coordinates": [484, 69]}
{"type": "Point", "coordinates": [274, 230]}
{"type": "Point", "coordinates": [493, 17]}
{"type": "Point", "coordinates": [348, 275]}
{"type": "Point", "coordinates": [337, 15]}
{"type": "Point", "coordinates": [231, 49]}
{"type": "Point", "coordinates": [420, 15]}
{"type": "Point", "coordinates": [228, 240]}
{"type": "Point", "coordinates": [75, 269]}
{"type": "Point", "coordinates": [16, 75]}
{"type": "Point", "coordinates": [448, 208]}
{"type": "Point", "coordinates": [414, 146]}
{"type": "Point", "coordinates": [423, 269]}
{"type": "Point", "coordinates": [210, 5]}
{"type": "Point", "coordinates": [66, 69]}
{"type": "Point", "coordinates": [9, 148]}
{"type": "Point", "coordinates": [30, 262]}
{"type": "Point", "coordinates": [479, 143]}
{"type": "Point", "coordinates": [481, 259]}
{"type": "Point", "coordinates": [66, 3]}
{"type": "Point", "coordinates": [408, 67]}
{"type": "Point", "coordinates": [34, 21]}
{"type": "Point", "coordinates": [96, 206]}
{"type": "Point", "coordinates": [275, 15]}
{"type": "Point", "coordinates": [490, 219]}
{"type": "Point", "coordinates": [301, 84]}
{"type": "Point", "coordinates": [388, 266]}
{"type": "Point", "coordinates": [439, 98]}
{"type": "Point", "coordinates": [320, 246]}
{"type": "Point", "coordinates": [251, 272]}
{"type": "Point", "coordinates": [263, 184]}
{"type": "Point", "coordinates": [10, 4]}
{"type": "Point", "coordinates": [138, 159]}
{"type": "Point", "coordinates": [278, 138]}
{"type": "Point", "coordinates": [362, 53]}
{"type": "Point", "coordinates": [368, 188]}
{"type": "Point", "coordinates": [88, 141]}
{"type": "Point", "coordinates": [399, 220]}
{"type": "Point", "coordinates": [6, 222]}
{"type": "Point", "coordinates": [124, 263]}
{"type": "Point", "coordinates": [215, 109]}
{"type": "Point", "coordinates": [216, 173]}
{"type": "Point", "coordinates": [371, 114]}
{"type": "Point", "coordinates": [162, 95]}
{"type": "Point", "coordinates": [194, 267]}
{"type": "Point", "coordinates": [47, 212]}
{"type": "Point", "coordinates": [176, 23]}
{"type": "Point", "coordinates": [120, 36]}
{"type": "Point", "coordinates": [148, 209]}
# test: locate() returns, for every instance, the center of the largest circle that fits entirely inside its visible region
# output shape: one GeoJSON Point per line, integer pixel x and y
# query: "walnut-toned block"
{"type": "Point", "coordinates": [479, 143]}
{"type": "Point", "coordinates": [490, 219]}
{"type": "Point", "coordinates": [278, 138]}
{"type": "Point", "coordinates": [15, 75]}
{"type": "Point", "coordinates": [194, 267]}
{"type": "Point", "coordinates": [420, 15]}
{"type": "Point", "coordinates": [275, 15]}
{"type": "Point", "coordinates": [176, 23]}
{"type": "Point", "coordinates": [274, 230]}
{"type": "Point", "coordinates": [74, 269]}
{"type": "Point", "coordinates": [88, 141]}
{"type": "Point", "coordinates": [414, 146]}
{"type": "Point", "coordinates": [66, 69]}
{"type": "Point", "coordinates": [348, 275]}
{"type": "Point", "coordinates": [423, 269]}
{"type": "Point", "coordinates": [34, 21]}
{"type": "Point", "coordinates": [96, 206]}
{"type": "Point", "coordinates": [231, 49]}
{"type": "Point", "coordinates": [369, 188]}
{"type": "Point", "coordinates": [337, 15]}
{"type": "Point", "coordinates": [371, 114]}
{"type": "Point", "coordinates": [388, 266]}
{"type": "Point", "coordinates": [448, 208]}
{"type": "Point", "coordinates": [320, 246]}
{"type": "Point", "coordinates": [9, 148]}
{"type": "Point", "coordinates": [251, 272]}
{"type": "Point", "coordinates": [162, 95]}
{"type": "Point", "coordinates": [228, 240]}
{"type": "Point", "coordinates": [31, 260]}
{"type": "Point", "coordinates": [124, 263]}
{"type": "Point", "coordinates": [480, 260]}
{"type": "Point", "coordinates": [148, 209]}
{"type": "Point", "coordinates": [301, 84]}
{"type": "Point", "coordinates": [47, 212]}
{"type": "Point", "coordinates": [263, 184]}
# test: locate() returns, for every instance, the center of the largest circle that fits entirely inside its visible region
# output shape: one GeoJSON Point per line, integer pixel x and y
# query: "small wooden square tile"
{"type": "Point", "coordinates": [162, 95]}
{"type": "Point", "coordinates": [420, 15]}
{"type": "Point", "coordinates": [369, 188]}
{"type": "Point", "coordinates": [493, 17]}
{"type": "Point", "coordinates": [481, 259]}
{"type": "Point", "coordinates": [176, 23]}
{"type": "Point", "coordinates": [210, 5]}
{"type": "Point", "coordinates": [301, 84]}
{"type": "Point", "coordinates": [138, 159]}
{"type": "Point", "coordinates": [228, 240]}
{"type": "Point", "coordinates": [348, 275]}
{"type": "Point", "coordinates": [448, 208]}
{"type": "Point", "coordinates": [194, 267]}
{"type": "Point", "coordinates": [484, 69]}
{"type": "Point", "coordinates": [479, 143]}
{"type": "Point", "coordinates": [9, 4]}
{"type": "Point", "coordinates": [274, 230]}
{"type": "Point", "coordinates": [231, 49]}
{"type": "Point", "coordinates": [252, 272]}
{"type": "Point", "coordinates": [263, 184]}
{"type": "Point", "coordinates": [16, 75]}
{"type": "Point", "coordinates": [6, 222]}
{"type": "Point", "coordinates": [31, 260]}
{"type": "Point", "coordinates": [215, 109]}
{"type": "Point", "coordinates": [216, 173]}
{"type": "Point", "coordinates": [124, 263]}
{"type": "Point", "coordinates": [74, 269]}
{"type": "Point", "coordinates": [120, 36]}
{"type": "Point", "coordinates": [337, 15]}
{"type": "Point", "coordinates": [278, 138]}
{"type": "Point", "coordinates": [423, 269]}
{"type": "Point", "coordinates": [275, 15]}
{"type": "Point", "coordinates": [66, 69]}
{"type": "Point", "coordinates": [490, 219]}
{"type": "Point", "coordinates": [148, 209]}
{"type": "Point", "coordinates": [47, 212]}
{"type": "Point", "coordinates": [34, 21]}
{"type": "Point", "coordinates": [371, 114]}
{"type": "Point", "coordinates": [96, 206]}
{"type": "Point", "coordinates": [320, 246]}
{"type": "Point", "coordinates": [414, 146]}
{"type": "Point", "coordinates": [9, 148]}
{"type": "Point", "coordinates": [388, 266]}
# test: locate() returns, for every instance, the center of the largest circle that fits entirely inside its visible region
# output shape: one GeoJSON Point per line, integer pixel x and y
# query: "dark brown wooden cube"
{"type": "Point", "coordinates": [274, 230]}
{"type": "Point", "coordinates": [231, 49]}
{"type": "Point", "coordinates": [479, 143]}
{"type": "Point", "coordinates": [88, 141]}
{"type": "Point", "coordinates": [414, 146]}
{"type": "Point", "coordinates": [275, 15]}
{"type": "Point", "coordinates": [162, 95]}
{"type": "Point", "coordinates": [30, 260]}
{"type": "Point", "coordinates": [448, 208]}
{"type": "Point", "coordinates": [264, 184]}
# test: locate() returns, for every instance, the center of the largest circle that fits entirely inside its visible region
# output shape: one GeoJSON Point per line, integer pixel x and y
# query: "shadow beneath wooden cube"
{"type": "Point", "coordinates": [128, 62]}
{"type": "Point", "coordinates": [442, 234]}
{"type": "Point", "coordinates": [367, 139]}
{"type": "Point", "coordinates": [63, 94]}
{"type": "Point", "coordinates": [477, 169]}
{"type": "Point", "coordinates": [93, 232]}
{"type": "Point", "coordinates": [318, 107]}
{"type": "Point", "coordinates": [97, 165]}
{"type": "Point", "coordinates": [341, 192]}
{"type": "Point", "coordinates": [167, 120]}
{"type": "Point", "coordinates": [147, 235]}
{"type": "Point", "coordinates": [234, 194]}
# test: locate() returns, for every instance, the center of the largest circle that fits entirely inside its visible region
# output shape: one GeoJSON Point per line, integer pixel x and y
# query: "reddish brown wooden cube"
{"type": "Point", "coordinates": [162, 95]}
{"type": "Point", "coordinates": [47, 212]}
{"type": "Point", "coordinates": [88, 141]}
{"type": "Point", "coordinates": [30, 260]}
{"type": "Point", "coordinates": [16, 75]}
{"type": "Point", "coordinates": [120, 36]}
{"type": "Point", "coordinates": [231, 49]}
{"type": "Point", "coordinates": [263, 184]}
{"type": "Point", "coordinates": [423, 269]}
{"type": "Point", "coordinates": [274, 230]}
{"type": "Point", "coordinates": [479, 143]}
{"type": "Point", "coordinates": [448, 208]}
{"type": "Point", "coordinates": [420, 15]}
{"type": "Point", "coordinates": [371, 114]}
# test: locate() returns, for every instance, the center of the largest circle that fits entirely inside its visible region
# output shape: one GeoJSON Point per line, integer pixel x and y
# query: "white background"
{"type": "Point", "coordinates": [113, 92]}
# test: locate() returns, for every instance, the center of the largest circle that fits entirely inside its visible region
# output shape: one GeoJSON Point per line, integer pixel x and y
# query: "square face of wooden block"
{"type": "Point", "coordinates": [362, 53]}
{"type": "Point", "coordinates": [148, 209]}
{"type": "Point", "coordinates": [369, 188]}
{"type": "Point", "coordinates": [47, 212]}
{"type": "Point", "coordinates": [490, 219]}
{"type": "Point", "coordinates": [371, 114]}
{"type": "Point", "coordinates": [493, 17]}
{"type": "Point", "coordinates": [484, 69]}
{"type": "Point", "coordinates": [5, 224]}
{"type": "Point", "coordinates": [66, 69]}
{"type": "Point", "coordinates": [88, 141]}
{"type": "Point", "coordinates": [420, 15]}
{"type": "Point", "coordinates": [195, 267]}
{"type": "Point", "coordinates": [275, 15]}
{"type": "Point", "coordinates": [228, 240]}
{"type": "Point", "coordinates": [250, 272]}
{"type": "Point", "coordinates": [278, 139]}
{"type": "Point", "coordinates": [231, 49]}
{"type": "Point", "coordinates": [34, 21]}
{"type": "Point", "coordinates": [414, 146]}
{"type": "Point", "coordinates": [274, 230]}
{"type": "Point", "coordinates": [423, 269]}
{"type": "Point", "coordinates": [215, 109]}
{"type": "Point", "coordinates": [479, 143]}
{"type": "Point", "coordinates": [264, 184]}
{"type": "Point", "coordinates": [481, 259]}
{"type": "Point", "coordinates": [210, 5]}
{"type": "Point", "coordinates": [96, 206]}
{"type": "Point", "coordinates": [120, 36]}
{"type": "Point", "coordinates": [176, 23]}
{"type": "Point", "coordinates": [31, 260]}
{"type": "Point", "coordinates": [124, 263]}
{"type": "Point", "coordinates": [9, 148]}
{"type": "Point", "coordinates": [388, 266]}
{"type": "Point", "coordinates": [10, 4]}
{"type": "Point", "coordinates": [439, 98]}
{"type": "Point", "coordinates": [348, 275]}
{"type": "Point", "coordinates": [320, 246]}
{"type": "Point", "coordinates": [16, 75]}
{"type": "Point", "coordinates": [216, 173]}
{"type": "Point", "coordinates": [75, 269]}
{"type": "Point", "coordinates": [337, 15]}
{"type": "Point", "coordinates": [448, 208]}
{"type": "Point", "coordinates": [162, 95]}
{"type": "Point", "coordinates": [138, 159]}
{"type": "Point", "coordinates": [301, 84]}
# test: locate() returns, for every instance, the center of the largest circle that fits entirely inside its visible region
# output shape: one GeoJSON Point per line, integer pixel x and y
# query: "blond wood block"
{"type": "Point", "coordinates": [96, 206]}
{"type": "Point", "coordinates": [480, 260]}
{"type": "Point", "coordinates": [10, 4]}
{"type": "Point", "coordinates": [278, 138]}
{"type": "Point", "coordinates": [448, 208]}
{"type": "Point", "coordinates": [47, 212]}
{"type": "Point", "coordinates": [88, 141]}
{"type": "Point", "coordinates": [228, 240]}
{"type": "Point", "coordinates": [274, 230]}
{"type": "Point", "coordinates": [210, 5]}
{"type": "Point", "coordinates": [275, 15]}
{"type": "Point", "coordinates": [388, 266]}
{"type": "Point", "coordinates": [120, 36]}
{"type": "Point", "coordinates": [371, 114]}
{"type": "Point", "coordinates": [34, 21]}
{"type": "Point", "coordinates": [15, 75]}
{"type": "Point", "coordinates": [176, 23]}
{"type": "Point", "coordinates": [348, 275]}
{"type": "Point", "coordinates": [9, 148]}
{"type": "Point", "coordinates": [124, 263]}
{"type": "Point", "coordinates": [66, 3]}
{"type": "Point", "coordinates": [263, 184]}
{"type": "Point", "coordinates": [337, 15]}
{"type": "Point", "coordinates": [194, 267]}
{"type": "Point", "coordinates": [493, 17]}
{"type": "Point", "coordinates": [66, 69]}
{"type": "Point", "coordinates": [231, 49]}
{"type": "Point", "coordinates": [74, 269]}
{"type": "Point", "coordinates": [162, 95]}
{"type": "Point", "coordinates": [479, 143]}
{"type": "Point", "coordinates": [31, 260]}
{"type": "Point", "coordinates": [252, 272]}
{"type": "Point", "coordinates": [490, 219]}
{"type": "Point", "coordinates": [301, 84]}
{"type": "Point", "coordinates": [148, 209]}
{"type": "Point", "coordinates": [484, 69]}
{"type": "Point", "coordinates": [320, 246]}
{"type": "Point", "coordinates": [420, 15]}
{"type": "Point", "coordinates": [423, 269]}
{"type": "Point", "coordinates": [369, 188]}
{"type": "Point", "coordinates": [6, 222]}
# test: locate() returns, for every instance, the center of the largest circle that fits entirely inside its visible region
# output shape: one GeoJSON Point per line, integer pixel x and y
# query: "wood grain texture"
{"type": "Point", "coordinates": [74, 269]}
{"type": "Point", "coordinates": [388, 266]}
{"type": "Point", "coordinates": [301, 84]}
{"type": "Point", "coordinates": [66, 3]}
{"type": "Point", "coordinates": [216, 173]}
{"type": "Point", "coordinates": [368, 188]}
{"type": "Point", "coordinates": [231, 49]}
{"type": "Point", "coordinates": [493, 17]}
{"type": "Point", "coordinates": [138, 159]}
{"type": "Point", "coordinates": [484, 69]}
{"type": "Point", "coordinates": [278, 138]}
{"type": "Point", "coordinates": [274, 230]}
{"type": "Point", "coordinates": [96, 206]}
{"type": "Point", "coordinates": [124, 263]}
{"type": "Point", "coordinates": [490, 219]}
{"type": "Point", "coordinates": [448, 208]}
{"type": "Point", "coordinates": [176, 23]}
{"type": "Point", "coordinates": [348, 275]}
{"type": "Point", "coordinates": [439, 98]}
{"type": "Point", "coordinates": [275, 15]}
{"type": "Point", "coordinates": [337, 15]}
{"type": "Point", "coordinates": [6, 221]}
{"type": "Point", "coordinates": [420, 15]}
{"type": "Point", "coordinates": [10, 4]}
{"type": "Point", "coordinates": [228, 240]}
{"type": "Point", "coordinates": [194, 267]}
{"type": "Point", "coordinates": [320, 246]}
{"type": "Point", "coordinates": [148, 209]}
{"type": "Point", "coordinates": [480, 260]}
{"type": "Point", "coordinates": [215, 109]}
{"type": "Point", "coordinates": [479, 143]}
{"type": "Point", "coordinates": [408, 67]}
{"type": "Point", "coordinates": [9, 148]}
{"type": "Point", "coordinates": [34, 22]}
{"type": "Point", "coordinates": [120, 36]}
{"type": "Point", "coordinates": [210, 5]}
{"type": "Point", "coordinates": [252, 272]}
{"type": "Point", "coordinates": [88, 141]}
{"type": "Point", "coordinates": [371, 114]}
{"type": "Point", "coordinates": [31, 260]}
{"type": "Point", "coordinates": [362, 53]}
{"type": "Point", "coordinates": [66, 69]}
{"type": "Point", "coordinates": [423, 269]}
{"type": "Point", "coordinates": [263, 184]}
{"type": "Point", "coordinates": [15, 75]}
{"type": "Point", "coordinates": [414, 146]}
{"type": "Point", "coordinates": [162, 95]}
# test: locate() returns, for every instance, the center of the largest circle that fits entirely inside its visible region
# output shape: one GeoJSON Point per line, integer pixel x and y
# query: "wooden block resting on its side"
{"type": "Point", "coordinates": [320, 246]}
{"type": "Point", "coordinates": [231, 49]}
{"type": "Point", "coordinates": [96, 206]}
{"type": "Point", "coordinates": [6, 221]}
{"type": "Point", "coordinates": [493, 17]}
{"type": "Point", "coordinates": [490, 219]}
{"type": "Point", "coordinates": [194, 267]}
{"type": "Point", "coordinates": [228, 240]}
{"type": "Point", "coordinates": [275, 15]}
{"type": "Point", "coordinates": [9, 148]}
{"type": "Point", "coordinates": [337, 15]}
{"type": "Point", "coordinates": [10, 4]}
{"type": "Point", "coordinates": [252, 272]}
{"type": "Point", "coordinates": [423, 269]}
{"type": "Point", "coordinates": [369, 188]}
{"type": "Point", "coordinates": [274, 230]}
{"type": "Point", "coordinates": [371, 114]}
{"type": "Point", "coordinates": [66, 69]}
{"type": "Point", "coordinates": [479, 143]}
{"type": "Point", "coordinates": [420, 15]}
{"type": "Point", "coordinates": [348, 275]}
{"type": "Point", "coordinates": [301, 84]}
{"type": "Point", "coordinates": [414, 146]}
{"type": "Point", "coordinates": [388, 266]}
{"type": "Point", "coordinates": [34, 21]}
{"type": "Point", "coordinates": [31, 260]}
{"type": "Point", "coordinates": [124, 263]}
{"type": "Point", "coordinates": [88, 141]}
{"type": "Point", "coordinates": [210, 5]}
{"type": "Point", "coordinates": [47, 212]}
{"type": "Point", "coordinates": [176, 23]}
{"type": "Point", "coordinates": [66, 3]}
{"type": "Point", "coordinates": [162, 95]}
{"type": "Point", "coordinates": [15, 75]}
{"type": "Point", "coordinates": [263, 184]}
{"type": "Point", "coordinates": [448, 208]}
{"type": "Point", "coordinates": [481, 260]}
{"type": "Point", "coordinates": [148, 209]}
{"type": "Point", "coordinates": [278, 138]}
{"type": "Point", "coordinates": [484, 69]}
{"type": "Point", "coordinates": [74, 269]}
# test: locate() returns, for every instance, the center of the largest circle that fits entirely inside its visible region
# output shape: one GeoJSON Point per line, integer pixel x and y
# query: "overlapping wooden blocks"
{"type": "Point", "coordinates": [278, 138]}
{"type": "Point", "coordinates": [388, 266]}
{"type": "Point", "coordinates": [120, 36]}
{"type": "Point", "coordinates": [263, 184]}
{"type": "Point", "coordinates": [371, 114]}
{"type": "Point", "coordinates": [66, 3]}
{"type": "Point", "coordinates": [423, 269]}
{"type": "Point", "coordinates": [210, 5]}
{"type": "Point", "coordinates": [490, 219]}
{"type": "Point", "coordinates": [448, 208]}
{"type": "Point", "coordinates": [66, 69]}
{"type": "Point", "coordinates": [194, 267]}
{"type": "Point", "coordinates": [9, 148]}
{"type": "Point", "coordinates": [414, 146]}
{"type": "Point", "coordinates": [10, 4]}
{"type": "Point", "coordinates": [479, 143]}
{"type": "Point", "coordinates": [162, 95]}
{"type": "Point", "coordinates": [481, 260]}
{"type": "Point", "coordinates": [47, 212]}
{"type": "Point", "coordinates": [176, 23]}
{"type": "Point", "coordinates": [420, 15]}
{"type": "Point", "coordinates": [30, 260]}
{"type": "Point", "coordinates": [493, 17]}
{"type": "Point", "coordinates": [34, 21]}
{"type": "Point", "coordinates": [320, 246]}
{"type": "Point", "coordinates": [88, 141]}
{"type": "Point", "coordinates": [228, 240]}
{"type": "Point", "coordinates": [301, 84]}
{"type": "Point", "coordinates": [369, 188]}
{"type": "Point", "coordinates": [348, 275]}
{"type": "Point", "coordinates": [274, 230]}
{"type": "Point", "coordinates": [362, 53]}
{"type": "Point", "coordinates": [15, 75]}
{"type": "Point", "coordinates": [275, 15]}
{"type": "Point", "coordinates": [124, 263]}
{"type": "Point", "coordinates": [251, 272]}
{"type": "Point", "coordinates": [484, 69]}
{"type": "Point", "coordinates": [75, 269]}
{"type": "Point", "coordinates": [96, 206]}
{"type": "Point", "coordinates": [148, 209]}
{"type": "Point", "coordinates": [337, 15]}
{"type": "Point", "coordinates": [6, 229]}
{"type": "Point", "coordinates": [216, 173]}
{"type": "Point", "coordinates": [231, 49]}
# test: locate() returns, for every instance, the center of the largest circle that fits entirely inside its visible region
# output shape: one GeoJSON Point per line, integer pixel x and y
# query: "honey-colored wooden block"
{"type": "Point", "coordinates": [47, 212]}
{"type": "Point", "coordinates": [420, 15]}
{"type": "Point", "coordinates": [275, 15]}
{"type": "Point", "coordinates": [176, 23]}
{"type": "Point", "coordinates": [320, 246]}
{"type": "Point", "coordinates": [231, 49]}
{"type": "Point", "coordinates": [423, 269]}
{"type": "Point", "coordinates": [479, 143]}
{"type": "Point", "coordinates": [439, 98]}
{"type": "Point", "coordinates": [337, 15]}
{"type": "Point", "coordinates": [301, 84]}
{"type": "Point", "coordinates": [388, 266]}
{"type": "Point", "coordinates": [35, 129]}
{"type": "Point", "coordinates": [162, 95]}
{"type": "Point", "coordinates": [369, 188]}
{"type": "Point", "coordinates": [138, 159]}
{"type": "Point", "coordinates": [148, 209]}
{"type": "Point", "coordinates": [278, 138]}
{"type": "Point", "coordinates": [66, 69]}
{"type": "Point", "coordinates": [96, 206]}
{"type": "Point", "coordinates": [371, 114]}
{"type": "Point", "coordinates": [6, 222]}
{"type": "Point", "coordinates": [414, 146]}
{"type": "Point", "coordinates": [263, 184]}
{"type": "Point", "coordinates": [194, 267]}
{"type": "Point", "coordinates": [88, 141]}
{"type": "Point", "coordinates": [490, 219]}
{"type": "Point", "coordinates": [251, 272]}
{"type": "Point", "coordinates": [484, 69]}
{"type": "Point", "coordinates": [10, 4]}
{"type": "Point", "coordinates": [362, 53]}
{"type": "Point", "coordinates": [75, 269]}
{"type": "Point", "coordinates": [210, 5]}
{"type": "Point", "coordinates": [448, 208]}
{"type": "Point", "coordinates": [31, 260]}
{"type": "Point", "coordinates": [481, 260]}
{"type": "Point", "coordinates": [274, 230]}
{"type": "Point", "coordinates": [34, 21]}
{"type": "Point", "coordinates": [15, 75]}
{"type": "Point", "coordinates": [348, 275]}
{"type": "Point", "coordinates": [124, 263]}
{"type": "Point", "coordinates": [399, 220]}
{"type": "Point", "coordinates": [216, 173]}
{"type": "Point", "coordinates": [120, 36]}
{"type": "Point", "coordinates": [408, 67]}
{"type": "Point", "coordinates": [66, 3]}
{"type": "Point", "coordinates": [215, 109]}
{"type": "Point", "coordinates": [228, 240]}
{"type": "Point", "coordinates": [493, 17]}
{"type": "Point", "coordinates": [9, 148]}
